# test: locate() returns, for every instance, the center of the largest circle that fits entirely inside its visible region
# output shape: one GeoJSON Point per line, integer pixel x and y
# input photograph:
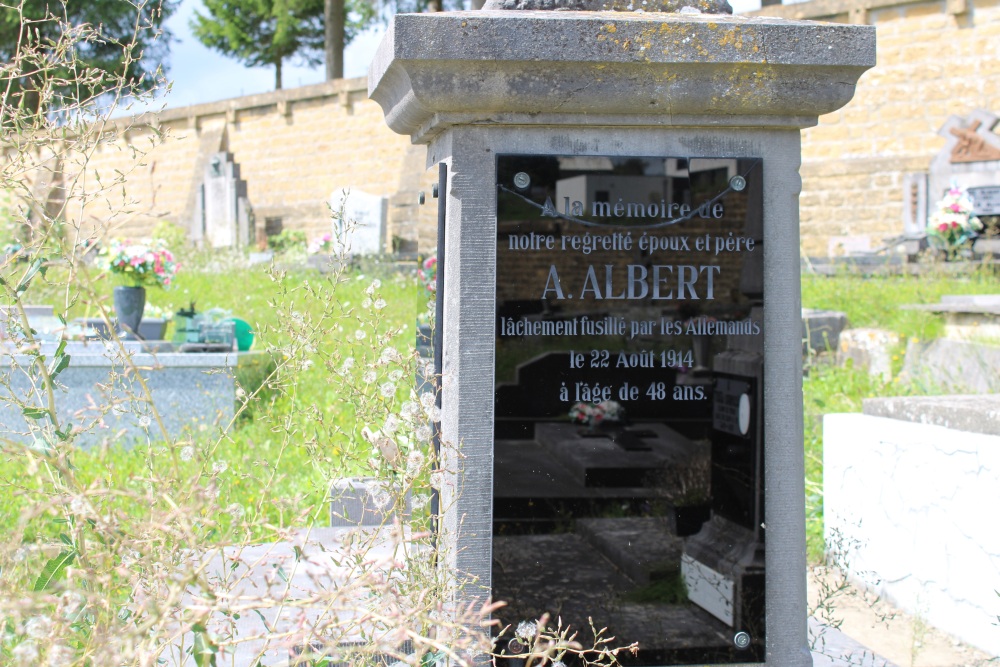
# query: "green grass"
{"type": "Point", "coordinates": [668, 590]}
{"type": "Point", "coordinates": [299, 433]}
{"type": "Point", "coordinates": [305, 429]}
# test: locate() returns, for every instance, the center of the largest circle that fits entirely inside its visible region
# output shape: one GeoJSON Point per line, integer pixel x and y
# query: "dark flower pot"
{"type": "Point", "coordinates": [129, 303]}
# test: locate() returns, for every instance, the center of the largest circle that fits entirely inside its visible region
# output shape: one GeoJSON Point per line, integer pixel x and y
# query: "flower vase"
{"type": "Point", "coordinates": [129, 304]}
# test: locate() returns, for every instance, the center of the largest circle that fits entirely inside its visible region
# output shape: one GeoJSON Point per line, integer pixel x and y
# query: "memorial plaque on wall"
{"type": "Point", "coordinates": [628, 446]}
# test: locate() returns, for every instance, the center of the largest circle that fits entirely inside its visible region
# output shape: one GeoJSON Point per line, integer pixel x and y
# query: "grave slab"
{"type": "Point", "coordinates": [945, 365]}
{"type": "Point", "coordinates": [190, 391]}
{"type": "Point", "coordinates": [911, 504]}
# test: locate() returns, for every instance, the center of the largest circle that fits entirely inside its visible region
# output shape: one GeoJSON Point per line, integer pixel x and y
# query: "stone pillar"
{"type": "Point", "coordinates": [223, 217]}
{"type": "Point", "coordinates": [476, 85]}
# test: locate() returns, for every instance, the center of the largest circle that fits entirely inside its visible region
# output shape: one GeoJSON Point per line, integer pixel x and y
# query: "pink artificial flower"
{"type": "Point", "coordinates": [956, 208]}
{"type": "Point", "coordinates": [943, 227]}
{"type": "Point", "coordinates": [954, 225]}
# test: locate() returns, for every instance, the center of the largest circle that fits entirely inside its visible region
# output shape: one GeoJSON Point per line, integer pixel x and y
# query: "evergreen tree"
{"type": "Point", "coordinates": [267, 32]}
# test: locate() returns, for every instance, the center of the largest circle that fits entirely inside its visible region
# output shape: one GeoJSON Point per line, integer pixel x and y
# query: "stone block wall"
{"type": "Point", "coordinates": [294, 147]}
{"type": "Point", "coordinates": [935, 59]}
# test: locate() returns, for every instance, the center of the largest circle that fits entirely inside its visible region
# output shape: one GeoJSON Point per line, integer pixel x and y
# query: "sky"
{"type": "Point", "coordinates": [201, 75]}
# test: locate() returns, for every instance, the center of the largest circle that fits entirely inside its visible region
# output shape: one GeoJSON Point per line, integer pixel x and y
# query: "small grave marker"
{"type": "Point", "coordinates": [359, 221]}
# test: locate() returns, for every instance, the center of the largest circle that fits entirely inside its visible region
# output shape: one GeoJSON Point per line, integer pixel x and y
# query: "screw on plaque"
{"type": "Point", "coordinates": [522, 180]}
{"type": "Point", "coordinates": [738, 183]}
{"type": "Point", "coordinates": [515, 646]}
{"type": "Point", "coordinates": [741, 640]}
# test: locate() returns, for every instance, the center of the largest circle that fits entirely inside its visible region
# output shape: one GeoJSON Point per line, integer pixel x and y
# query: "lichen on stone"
{"type": "Point", "coordinates": [664, 6]}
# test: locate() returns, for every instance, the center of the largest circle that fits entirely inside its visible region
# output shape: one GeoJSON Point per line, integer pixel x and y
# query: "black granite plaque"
{"type": "Point", "coordinates": [628, 467]}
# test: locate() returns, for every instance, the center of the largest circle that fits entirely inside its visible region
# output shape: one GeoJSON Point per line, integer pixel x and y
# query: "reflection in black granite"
{"type": "Point", "coordinates": [631, 288]}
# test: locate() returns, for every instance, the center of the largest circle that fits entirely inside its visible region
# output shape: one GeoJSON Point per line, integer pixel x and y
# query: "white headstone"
{"type": "Point", "coordinates": [359, 221]}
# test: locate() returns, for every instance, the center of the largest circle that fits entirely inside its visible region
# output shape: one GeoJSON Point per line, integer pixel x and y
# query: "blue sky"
{"type": "Point", "coordinates": [201, 75]}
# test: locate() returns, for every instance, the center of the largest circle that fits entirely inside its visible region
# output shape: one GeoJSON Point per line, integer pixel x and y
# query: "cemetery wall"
{"type": "Point", "coordinates": [935, 59]}
{"type": "Point", "coordinates": [294, 149]}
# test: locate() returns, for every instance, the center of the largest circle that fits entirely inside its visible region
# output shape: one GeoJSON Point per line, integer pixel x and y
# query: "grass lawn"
{"type": "Point", "coordinates": [274, 466]}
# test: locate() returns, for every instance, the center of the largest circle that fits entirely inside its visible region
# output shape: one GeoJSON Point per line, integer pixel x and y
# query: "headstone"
{"type": "Point", "coordinates": [870, 350]}
{"type": "Point", "coordinates": [359, 221]}
{"type": "Point", "coordinates": [971, 159]}
{"type": "Point", "coordinates": [364, 502]}
{"type": "Point", "coordinates": [914, 212]}
{"type": "Point", "coordinates": [821, 329]}
{"type": "Point", "coordinates": [223, 216]}
{"type": "Point", "coordinates": [610, 182]}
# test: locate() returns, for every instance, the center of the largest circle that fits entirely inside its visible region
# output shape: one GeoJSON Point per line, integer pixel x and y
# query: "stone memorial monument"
{"type": "Point", "coordinates": [620, 310]}
{"type": "Point", "coordinates": [359, 221]}
{"type": "Point", "coordinates": [971, 159]}
{"type": "Point", "coordinates": [223, 217]}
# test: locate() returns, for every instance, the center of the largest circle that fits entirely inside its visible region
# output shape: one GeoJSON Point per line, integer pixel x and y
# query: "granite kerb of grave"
{"type": "Point", "coordinates": [143, 360]}
{"type": "Point", "coordinates": [613, 68]}
{"type": "Point", "coordinates": [974, 413]}
{"type": "Point", "coordinates": [188, 389]}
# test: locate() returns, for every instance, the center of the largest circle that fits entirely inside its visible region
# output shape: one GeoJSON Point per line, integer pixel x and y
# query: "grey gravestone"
{"type": "Point", "coordinates": [821, 329]}
{"type": "Point", "coordinates": [914, 211]}
{"type": "Point", "coordinates": [543, 121]}
{"type": "Point", "coordinates": [223, 216]}
{"type": "Point", "coordinates": [359, 221]}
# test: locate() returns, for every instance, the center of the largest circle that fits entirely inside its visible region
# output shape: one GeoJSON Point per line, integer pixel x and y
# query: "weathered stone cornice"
{"type": "Point", "coordinates": [608, 68]}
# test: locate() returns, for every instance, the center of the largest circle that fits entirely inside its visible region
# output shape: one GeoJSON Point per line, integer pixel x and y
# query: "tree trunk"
{"type": "Point", "coordinates": [277, 74]}
{"type": "Point", "coordinates": [334, 15]}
